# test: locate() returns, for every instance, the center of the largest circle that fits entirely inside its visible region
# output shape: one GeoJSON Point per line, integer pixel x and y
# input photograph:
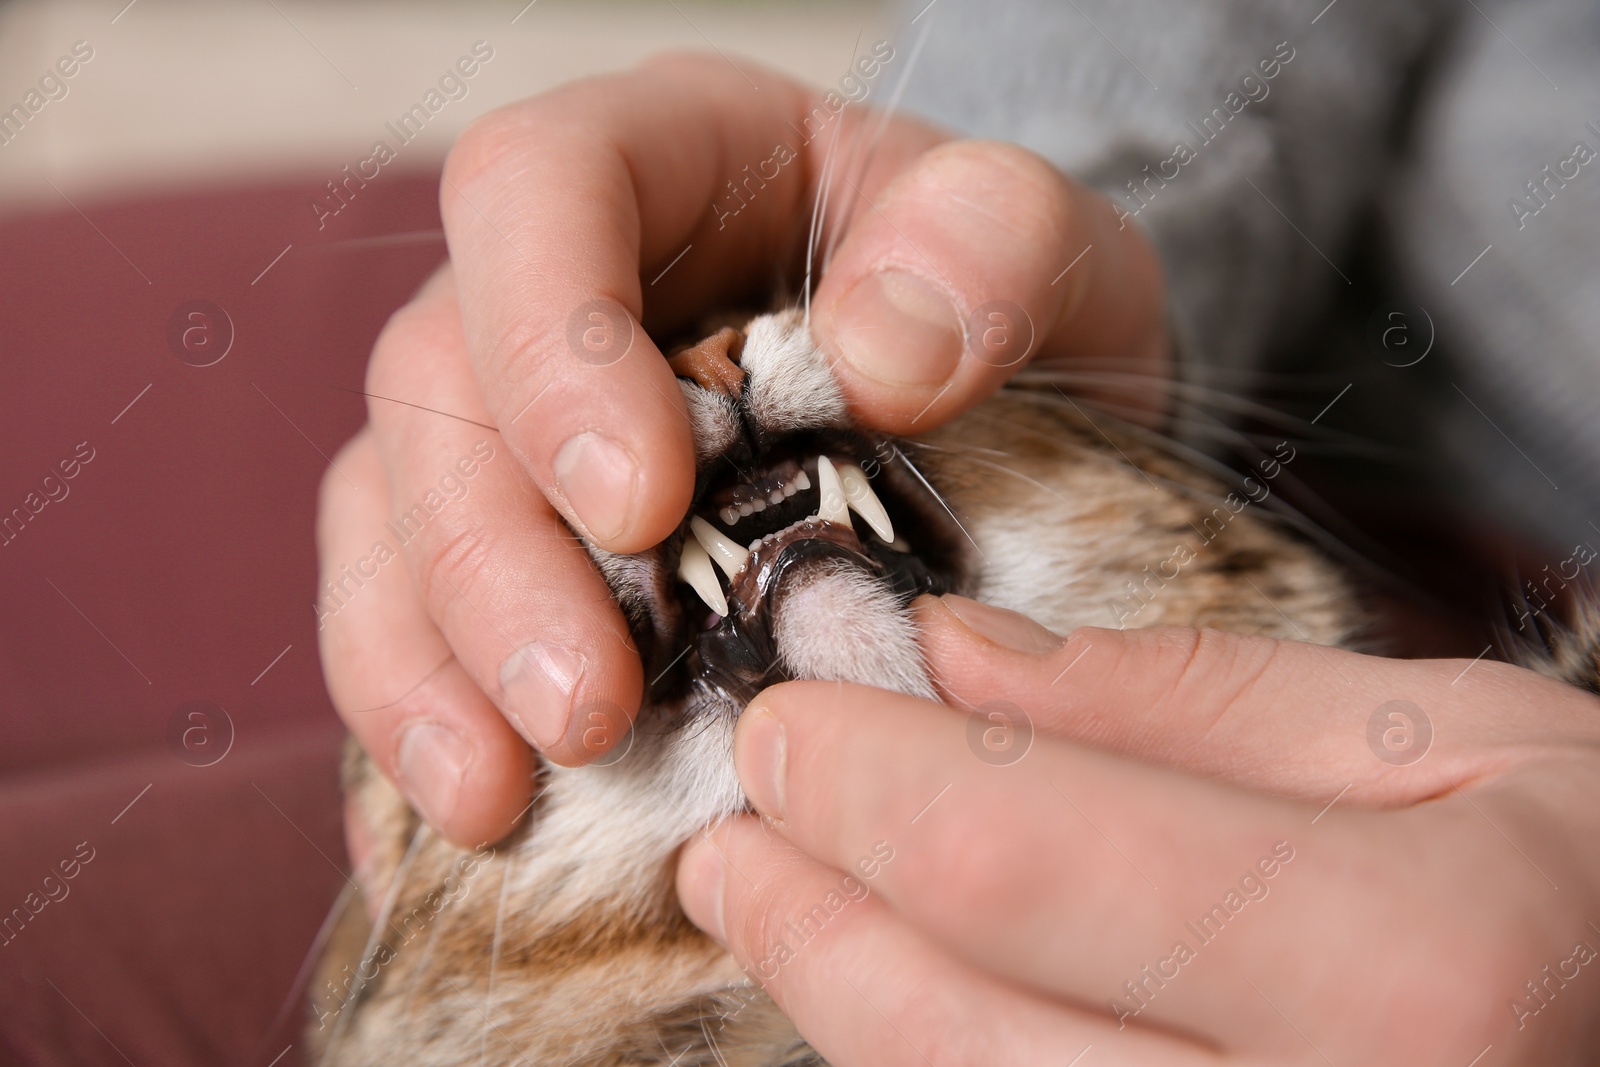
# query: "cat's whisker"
{"type": "Point", "coordinates": [347, 895]}
{"type": "Point", "coordinates": [494, 953]}
{"type": "Point", "coordinates": [711, 1043]}
{"type": "Point", "coordinates": [912, 467]}
{"type": "Point", "coordinates": [818, 204]}
{"type": "Point", "coordinates": [379, 924]}
{"type": "Point", "coordinates": [1214, 429]}
{"type": "Point", "coordinates": [1017, 474]}
{"type": "Point", "coordinates": [435, 932]}
{"type": "Point", "coordinates": [884, 115]}
{"type": "Point", "coordinates": [1190, 392]}
{"type": "Point", "coordinates": [1370, 558]}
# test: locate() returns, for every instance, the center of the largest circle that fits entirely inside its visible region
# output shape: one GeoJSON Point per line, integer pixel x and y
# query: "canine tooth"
{"type": "Point", "coordinates": [730, 515]}
{"type": "Point", "coordinates": [727, 554]}
{"type": "Point", "coordinates": [864, 502]}
{"type": "Point", "coordinates": [694, 567]}
{"type": "Point", "coordinates": [833, 507]}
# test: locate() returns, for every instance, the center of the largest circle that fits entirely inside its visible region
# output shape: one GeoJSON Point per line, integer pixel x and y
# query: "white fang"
{"type": "Point", "coordinates": [833, 507]}
{"type": "Point", "coordinates": [727, 554]}
{"type": "Point", "coordinates": [864, 502]}
{"type": "Point", "coordinates": [695, 568]}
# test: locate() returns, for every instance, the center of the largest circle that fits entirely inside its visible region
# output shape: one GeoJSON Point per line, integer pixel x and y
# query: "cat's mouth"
{"type": "Point", "coordinates": [818, 503]}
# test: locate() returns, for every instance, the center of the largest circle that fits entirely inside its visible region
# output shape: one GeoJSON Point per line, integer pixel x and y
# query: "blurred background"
{"type": "Point", "coordinates": [178, 333]}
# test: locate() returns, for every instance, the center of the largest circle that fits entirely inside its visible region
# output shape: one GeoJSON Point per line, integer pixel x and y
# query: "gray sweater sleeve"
{"type": "Point", "coordinates": [1242, 135]}
{"type": "Point", "coordinates": [1248, 137]}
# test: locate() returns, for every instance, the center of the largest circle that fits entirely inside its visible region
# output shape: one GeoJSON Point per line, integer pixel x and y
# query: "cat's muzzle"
{"type": "Point", "coordinates": [797, 517]}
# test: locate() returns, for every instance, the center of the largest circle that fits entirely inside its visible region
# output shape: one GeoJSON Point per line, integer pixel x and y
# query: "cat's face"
{"type": "Point", "coordinates": [800, 526]}
{"type": "Point", "coordinates": [805, 543]}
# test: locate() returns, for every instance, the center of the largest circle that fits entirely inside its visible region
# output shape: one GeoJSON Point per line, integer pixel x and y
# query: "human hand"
{"type": "Point", "coordinates": [1336, 901]}
{"type": "Point", "coordinates": [496, 630]}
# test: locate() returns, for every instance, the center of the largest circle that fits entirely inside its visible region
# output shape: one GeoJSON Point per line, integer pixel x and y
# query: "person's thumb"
{"type": "Point", "coordinates": [976, 260]}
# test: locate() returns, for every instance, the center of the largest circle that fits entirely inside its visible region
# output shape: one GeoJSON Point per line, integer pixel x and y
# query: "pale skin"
{"type": "Point", "coordinates": [1166, 765]}
{"type": "Point", "coordinates": [1197, 766]}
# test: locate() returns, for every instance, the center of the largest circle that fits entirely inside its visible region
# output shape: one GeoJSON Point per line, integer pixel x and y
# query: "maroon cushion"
{"type": "Point", "coordinates": [157, 555]}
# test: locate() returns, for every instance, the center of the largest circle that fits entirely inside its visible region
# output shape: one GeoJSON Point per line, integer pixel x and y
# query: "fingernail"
{"type": "Point", "coordinates": [597, 477]}
{"type": "Point", "coordinates": [432, 761]}
{"type": "Point", "coordinates": [761, 755]}
{"type": "Point", "coordinates": [896, 328]}
{"type": "Point", "coordinates": [700, 887]}
{"type": "Point", "coordinates": [1007, 628]}
{"type": "Point", "coordinates": [538, 681]}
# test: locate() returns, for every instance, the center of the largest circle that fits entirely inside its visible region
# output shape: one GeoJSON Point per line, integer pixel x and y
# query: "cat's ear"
{"type": "Point", "coordinates": [712, 364]}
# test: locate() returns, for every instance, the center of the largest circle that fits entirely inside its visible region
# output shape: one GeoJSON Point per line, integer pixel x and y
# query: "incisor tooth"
{"type": "Point", "coordinates": [833, 507]}
{"type": "Point", "coordinates": [864, 502]}
{"type": "Point", "coordinates": [725, 553]}
{"type": "Point", "coordinates": [730, 515]}
{"type": "Point", "coordinates": [695, 568]}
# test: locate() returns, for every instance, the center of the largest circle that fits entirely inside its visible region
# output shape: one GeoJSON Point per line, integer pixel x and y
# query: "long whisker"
{"type": "Point", "coordinates": [711, 1043]}
{"type": "Point", "coordinates": [1213, 429]}
{"type": "Point", "coordinates": [494, 956]}
{"type": "Point", "coordinates": [391, 894]}
{"type": "Point", "coordinates": [1245, 380]}
{"type": "Point", "coordinates": [302, 977]}
{"type": "Point", "coordinates": [1001, 467]}
{"type": "Point", "coordinates": [1370, 558]}
{"type": "Point", "coordinates": [884, 115]}
{"type": "Point", "coordinates": [1189, 391]}
{"type": "Point", "coordinates": [818, 205]}
{"type": "Point", "coordinates": [912, 467]}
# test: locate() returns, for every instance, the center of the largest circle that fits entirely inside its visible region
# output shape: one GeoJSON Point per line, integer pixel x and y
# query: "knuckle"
{"type": "Point", "coordinates": [451, 557]}
{"type": "Point", "coordinates": [1212, 668]}
{"type": "Point", "coordinates": [525, 349]}
{"type": "Point", "coordinates": [485, 145]}
{"type": "Point", "coordinates": [756, 921]}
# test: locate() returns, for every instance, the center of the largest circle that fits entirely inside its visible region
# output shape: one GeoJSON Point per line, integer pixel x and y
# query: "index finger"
{"type": "Point", "coordinates": [575, 216]}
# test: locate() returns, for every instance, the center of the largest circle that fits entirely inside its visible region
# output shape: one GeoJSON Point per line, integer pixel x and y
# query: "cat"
{"type": "Point", "coordinates": [564, 944]}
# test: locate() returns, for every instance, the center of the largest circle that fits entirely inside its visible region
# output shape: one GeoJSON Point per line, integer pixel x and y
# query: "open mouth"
{"type": "Point", "coordinates": [756, 534]}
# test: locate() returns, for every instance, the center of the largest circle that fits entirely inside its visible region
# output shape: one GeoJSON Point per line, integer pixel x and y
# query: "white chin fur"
{"type": "Point", "coordinates": [838, 624]}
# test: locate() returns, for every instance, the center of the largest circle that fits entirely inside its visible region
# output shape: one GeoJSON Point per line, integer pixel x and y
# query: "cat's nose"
{"type": "Point", "coordinates": [712, 364]}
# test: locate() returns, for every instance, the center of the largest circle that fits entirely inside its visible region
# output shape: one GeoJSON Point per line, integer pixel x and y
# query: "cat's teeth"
{"type": "Point", "coordinates": [775, 497]}
{"type": "Point", "coordinates": [727, 554]}
{"type": "Point", "coordinates": [802, 482]}
{"type": "Point", "coordinates": [864, 502]}
{"type": "Point", "coordinates": [729, 515]}
{"type": "Point", "coordinates": [833, 507]}
{"type": "Point", "coordinates": [745, 511]}
{"type": "Point", "coordinates": [694, 567]}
